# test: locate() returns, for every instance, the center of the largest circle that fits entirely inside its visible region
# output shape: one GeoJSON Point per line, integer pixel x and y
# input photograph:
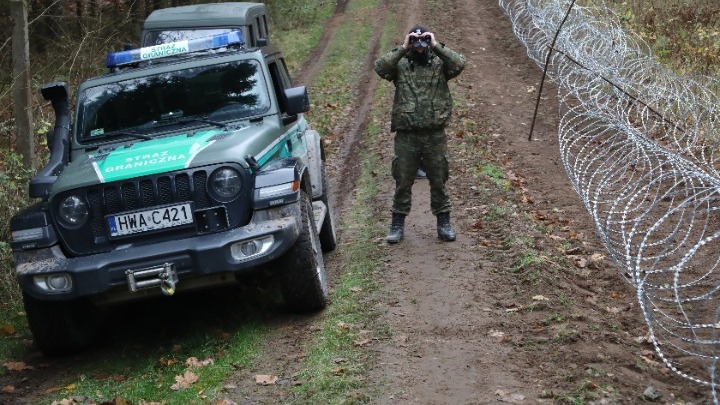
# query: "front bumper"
{"type": "Point", "coordinates": [207, 257]}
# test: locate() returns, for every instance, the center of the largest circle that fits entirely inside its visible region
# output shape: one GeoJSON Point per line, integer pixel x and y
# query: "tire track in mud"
{"type": "Point", "coordinates": [345, 162]}
{"type": "Point", "coordinates": [317, 57]}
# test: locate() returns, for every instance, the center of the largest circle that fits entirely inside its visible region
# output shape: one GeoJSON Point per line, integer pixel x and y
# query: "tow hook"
{"type": "Point", "coordinates": [163, 276]}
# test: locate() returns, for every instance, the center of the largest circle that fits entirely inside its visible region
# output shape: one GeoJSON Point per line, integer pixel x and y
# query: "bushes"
{"type": "Point", "coordinates": [13, 197]}
{"type": "Point", "coordinates": [685, 34]}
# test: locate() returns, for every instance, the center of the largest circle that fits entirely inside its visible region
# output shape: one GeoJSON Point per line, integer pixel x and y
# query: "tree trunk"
{"type": "Point", "coordinates": [25, 140]}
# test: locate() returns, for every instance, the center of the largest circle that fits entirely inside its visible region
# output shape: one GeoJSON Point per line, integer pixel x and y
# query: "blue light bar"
{"type": "Point", "coordinates": [116, 59]}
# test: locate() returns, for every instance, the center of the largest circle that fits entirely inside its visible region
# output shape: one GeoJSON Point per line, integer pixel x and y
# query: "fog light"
{"type": "Point", "coordinates": [54, 282]}
{"type": "Point", "coordinates": [249, 248]}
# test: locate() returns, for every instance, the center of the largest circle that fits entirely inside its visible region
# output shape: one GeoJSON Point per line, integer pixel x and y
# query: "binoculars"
{"type": "Point", "coordinates": [420, 42]}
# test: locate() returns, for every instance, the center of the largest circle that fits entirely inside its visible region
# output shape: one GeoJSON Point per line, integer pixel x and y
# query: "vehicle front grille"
{"type": "Point", "coordinates": [145, 193]}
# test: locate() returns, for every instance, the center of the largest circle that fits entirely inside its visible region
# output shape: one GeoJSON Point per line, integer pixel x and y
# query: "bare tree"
{"type": "Point", "coordinates": [21, 83]}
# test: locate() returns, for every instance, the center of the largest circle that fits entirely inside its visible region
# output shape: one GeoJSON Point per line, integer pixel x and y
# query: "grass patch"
{"type": "Point", "coordinates": [151, 375]}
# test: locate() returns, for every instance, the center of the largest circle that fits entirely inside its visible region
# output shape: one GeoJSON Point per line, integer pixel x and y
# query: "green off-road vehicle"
{"type": "Point", "coordinates": [188, 164]}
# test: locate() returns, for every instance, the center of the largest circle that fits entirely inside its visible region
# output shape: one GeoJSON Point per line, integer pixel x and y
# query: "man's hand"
{"type": "Point", "coordinates": [433, 41]}
{"type": "Point", "coordinates": [406, 45]}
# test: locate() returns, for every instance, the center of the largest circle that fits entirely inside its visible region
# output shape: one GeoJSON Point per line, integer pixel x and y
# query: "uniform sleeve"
{"type": "Point", "coordinates": [453, 62]}
{"type": "Point", "coordinates": [386, 65]}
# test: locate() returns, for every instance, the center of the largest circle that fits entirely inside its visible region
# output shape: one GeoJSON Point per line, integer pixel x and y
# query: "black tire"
{"type": "Point", "coordinates": [62, 327]}
{"type": "Point", "coordinates": [303, 280]}
{"type": "Point", "coordinates": [328, 236]}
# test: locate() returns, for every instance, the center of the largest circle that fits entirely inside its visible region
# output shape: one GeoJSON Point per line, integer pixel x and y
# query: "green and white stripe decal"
{"type": "Point", "coordinates": [151, 157]}
{"type": "Point", "coordinates": [279, 148]}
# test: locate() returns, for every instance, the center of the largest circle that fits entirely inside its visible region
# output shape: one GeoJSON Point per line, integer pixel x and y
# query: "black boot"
{"type": "Point", "coordinates": [445, 231]}
{"type": "Point", "coordinates": [396, 228]}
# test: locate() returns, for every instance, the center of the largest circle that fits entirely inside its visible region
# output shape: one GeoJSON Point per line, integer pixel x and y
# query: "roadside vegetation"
{"type": "Point", "coordinates": [685, 34]}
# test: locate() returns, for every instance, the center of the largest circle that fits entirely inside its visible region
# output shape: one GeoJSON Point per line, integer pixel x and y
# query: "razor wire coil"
{"type": "Point", "coordinates": [641, 147]}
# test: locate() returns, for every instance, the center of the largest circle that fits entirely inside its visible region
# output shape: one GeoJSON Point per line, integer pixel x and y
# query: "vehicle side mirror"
{"type": "Point", "coordinates": [297, 100]}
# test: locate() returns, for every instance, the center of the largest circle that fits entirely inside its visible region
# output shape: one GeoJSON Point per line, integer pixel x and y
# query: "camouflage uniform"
{"type": "Point", "coordinates": [421, 110]}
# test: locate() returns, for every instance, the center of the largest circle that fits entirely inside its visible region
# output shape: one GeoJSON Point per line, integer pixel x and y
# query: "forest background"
{"type": "Point", "coordinates": [68, 41]}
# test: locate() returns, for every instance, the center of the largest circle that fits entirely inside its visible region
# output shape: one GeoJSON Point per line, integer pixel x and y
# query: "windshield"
{"type": "Point", "coordinates": [167, 36]}
{"type": "Point", "coordinates": [139, 106]}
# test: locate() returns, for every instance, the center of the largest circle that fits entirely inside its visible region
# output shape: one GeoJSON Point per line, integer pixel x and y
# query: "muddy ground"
{"type": "Point", "coordinates": [470, 321]}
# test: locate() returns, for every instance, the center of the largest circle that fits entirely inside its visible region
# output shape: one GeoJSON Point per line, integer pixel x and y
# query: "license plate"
{"type": "Point", "coordinates": [150, 220]}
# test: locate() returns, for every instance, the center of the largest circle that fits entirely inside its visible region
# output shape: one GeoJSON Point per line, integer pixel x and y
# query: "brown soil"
{"type": "Point", "coordinates": [468, 323]}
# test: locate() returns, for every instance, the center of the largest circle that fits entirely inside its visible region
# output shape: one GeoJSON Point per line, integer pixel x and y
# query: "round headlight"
{"type": "Point", "coordinates": [226, 183]}
{"type": "Point", "coordinates": [73, 211]}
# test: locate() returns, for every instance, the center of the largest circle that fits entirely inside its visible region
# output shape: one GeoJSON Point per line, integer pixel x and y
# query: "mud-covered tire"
{"type": "Point", "coordinates": [303, 280]}
{"type": "Point", "coordinates": [62, 327]}
{"type": "Point", "coordinates": [328, 235]}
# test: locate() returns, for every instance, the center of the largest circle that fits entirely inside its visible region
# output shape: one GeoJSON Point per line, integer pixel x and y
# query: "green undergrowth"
{"type": "Point", "coordinates": [684, 34]}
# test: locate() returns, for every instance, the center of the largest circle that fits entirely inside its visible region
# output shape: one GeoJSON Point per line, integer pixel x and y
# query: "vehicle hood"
{"type": "Point", "coordinates": [140, 158]}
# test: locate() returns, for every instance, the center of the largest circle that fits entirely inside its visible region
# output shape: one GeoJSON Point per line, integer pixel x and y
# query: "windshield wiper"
{"type": "Point", "coordinates": [190, 120]}
{"type": "Point", "coordinates": [132, 134]}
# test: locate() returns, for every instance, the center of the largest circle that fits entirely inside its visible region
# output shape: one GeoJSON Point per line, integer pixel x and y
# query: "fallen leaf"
{"type": "Point", "coordinates": [355, 289]}
{"type": "Point", "coordinates": [496, 333]}
{"type": "Point", "coordinates": [613, 310]}
{"type": "Point", "coordinates": [185, 380]}
{"type": "Point", "coordinates": [7, 329]}
{"type": "Point", "coordinates": [265, 379]}
{"type": "Point", "coordinates": [650, 361]}
{"type": "Point", "coordinates": [194, 362]}
{"type": "Point", "coordinates": [615, 295]}
{"type": "Point", "coordinates": [595, 259]}
{"type": "Point", "coordinates": [345, 325]}
{"type": "Point", "coordinates": [540, 298]}
{"type": "Point", "coordinates": [16, 366]}
{"type": "Point", "coordinates": [8, 389]}
{"type": "Point", "coordinates": [361, 342]}
{"type": "Point", "coordinates": [167, 362]}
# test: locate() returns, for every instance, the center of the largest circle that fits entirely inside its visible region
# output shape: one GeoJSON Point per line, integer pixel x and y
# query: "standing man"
{"type": "Point", "coordinates": [420, 70]}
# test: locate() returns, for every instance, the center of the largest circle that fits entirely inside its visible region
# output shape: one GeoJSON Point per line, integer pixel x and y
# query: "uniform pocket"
{"type": "Point", "coordinates": [404, 115]}
{"type": "Point", "coordinates": [442, 114]}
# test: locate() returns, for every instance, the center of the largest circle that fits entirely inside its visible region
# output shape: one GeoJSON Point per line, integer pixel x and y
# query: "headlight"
{"type": "Point", "coordinates": [226, 183]}
{"type": "Point", "coordinates": [73, 212]}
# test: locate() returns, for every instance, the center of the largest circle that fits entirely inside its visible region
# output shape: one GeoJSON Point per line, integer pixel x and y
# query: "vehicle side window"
{"type": "Point", "coordinates": [280, 83]}
{"type": "Point", "coordinates": [252, 41]}
{"type": "Point", "coordinates": [282, 67]}
{"type": "Point", "coordinates": [261, 27]}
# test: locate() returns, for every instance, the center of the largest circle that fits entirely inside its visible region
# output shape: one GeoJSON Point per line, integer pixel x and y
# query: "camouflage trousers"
{"type": "Point", "coordinates": [413, 149]}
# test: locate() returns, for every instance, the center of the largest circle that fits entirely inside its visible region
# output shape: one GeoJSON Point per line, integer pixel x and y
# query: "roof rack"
{"type": "Point", "coordinates": [124, 58]}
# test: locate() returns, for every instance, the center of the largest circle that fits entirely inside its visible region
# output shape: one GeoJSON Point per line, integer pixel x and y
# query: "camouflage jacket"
{"type": "Point", "coordinates": [422, 96]}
